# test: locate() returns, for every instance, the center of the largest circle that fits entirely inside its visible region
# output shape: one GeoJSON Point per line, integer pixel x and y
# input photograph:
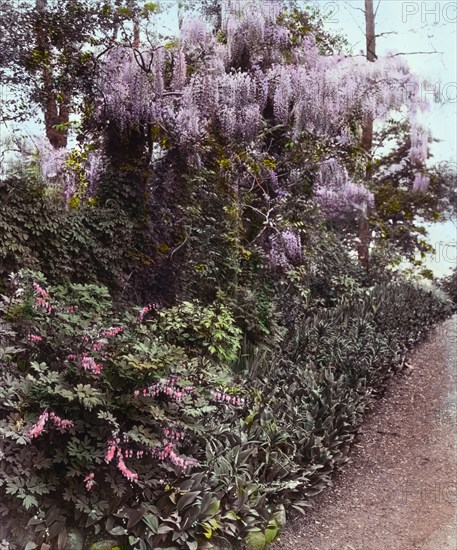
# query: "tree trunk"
{"type": "Point", "coordinates": [367, 138]}
{"type": "Point", "coordinates": [136, 25]}
{"type": "Point", "coordinates": [370, 31]}
{"type": "Point", "coordinates": [55, 108]}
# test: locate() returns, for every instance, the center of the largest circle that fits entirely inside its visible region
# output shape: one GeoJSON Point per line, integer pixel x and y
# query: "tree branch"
{"type": "Point", "coordinates": [377, 7]}
{"type": "Point", "coordinates": [414, 53]}
{"type": "Point", "coordinates": [385, 33]}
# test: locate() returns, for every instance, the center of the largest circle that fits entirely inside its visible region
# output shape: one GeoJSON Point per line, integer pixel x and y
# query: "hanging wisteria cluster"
{"type": "Point", "coordinates": [316, 93]}
{"type": "Point", "coordinates": [252, 32]}
{"type": "Point", "coordinates": [337, 194]}
{"type": "Point", "coordinates": [204, 87]}
{"type": "Point", "coordinates": [132, 84]}
{"type": "Point", "coordinates": [285, 249]}
{"type": "Point", "coordinates": [53, 167]}
{"type": "Point", "coordinates": [320, 98]}
{"type": "Point", "coordinates": [421, 183]}
{"type": "Point", "coordinates": [51, 160]}
{"type": "Point", "coordinates": [195, 34]}
{"type": "Point", "coordinates": [239, 113]}
{"type": "Point", "coordinates": [420, 138]}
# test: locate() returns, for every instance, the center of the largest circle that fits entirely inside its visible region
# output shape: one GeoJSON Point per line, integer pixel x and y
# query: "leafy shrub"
{"type": "Point", "coordinates": [209, 328]}
{"type": "Point", "coordinates": [450, 286]}
{"type": "Point", "coordinates": [81, 383]}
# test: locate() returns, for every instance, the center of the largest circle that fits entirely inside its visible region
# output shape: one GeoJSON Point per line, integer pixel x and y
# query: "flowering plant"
{"type": "Point", "coordinates": [98, 405]}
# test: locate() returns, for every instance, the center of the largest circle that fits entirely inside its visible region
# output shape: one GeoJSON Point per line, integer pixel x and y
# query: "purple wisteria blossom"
{"type": "Point", "coordinates": [336, 194]}
{"type": "Point", "coordinates": [285, 249]}
{"type": "Point", "coordinates": [421, 183]}
{"type": "Point", "coordinates": [235, 86]}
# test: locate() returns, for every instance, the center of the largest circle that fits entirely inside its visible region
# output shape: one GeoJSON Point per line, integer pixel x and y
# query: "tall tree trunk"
{"type": "Point", "coordinates": [367, 138]}
{"type": "Point", "coordinates": [55, 107]}
{"type": "Point", "coordinates": [136, 25]}
{"type": "Point", "coordinates": [370, 31]}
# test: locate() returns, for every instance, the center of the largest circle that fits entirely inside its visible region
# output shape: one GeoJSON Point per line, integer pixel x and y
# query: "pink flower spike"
{"type": "Point", "coordinates": [41, 291]}
{"type": "Point", "coordinates": [110, 453]}
{"type": "Point", "coordinates": [89, 481]}
{"type": "Point", "coordinates": [89, 364]}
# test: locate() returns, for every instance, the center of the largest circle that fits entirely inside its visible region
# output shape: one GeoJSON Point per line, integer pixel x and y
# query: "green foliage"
{"type": "Point", "coordinates": [449, 284]}
{"type": "Point", "coordinates": [303, 22]}
{"type": "Point", "coordinates": [211, 328]}
{"type": "Point", "coordinates": [87, 244]}
{"type": "Point", "coordinates": [400, 211]}
{"type": "Point", "coordinates": [71, 29]}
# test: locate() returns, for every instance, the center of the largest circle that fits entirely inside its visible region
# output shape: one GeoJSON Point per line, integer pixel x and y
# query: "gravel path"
{"type": "Point", "coordinates": [399, 491]}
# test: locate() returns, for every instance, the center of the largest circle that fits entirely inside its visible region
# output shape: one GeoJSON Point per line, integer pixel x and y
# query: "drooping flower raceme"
{"type": "Point", "coordinates": [166, 387]}
{"type": "Point", "coordinates": [131, 92]}
{"type": "Point", "coordinates": [419, 144]}
{"type": "Point", "coordinates": [89, 364]}
{"type": "Point", "coordinates": [336, 194]}
{"type": "Point", "coordinates": [421, 183]}
{"type": "Point", "coordinates": [285, 249]}
{"type": "Point", "coordinates": [196, 33]}
{"type": "Point", "coordinates": [51, 160]}
{"type": "Point", "coordinates": [39, 426]}
{"type": "Point", "coordinates": [252, 31]}
{"type": "Point", "coordinates": [236, 85]}
{"type": "Point", "coordinates": [113, 331]}
{"type": "Point", "coordinates": [146, 310]}
{"type": "Point", "coordinates": [89, 481]}
{"type": "Point", "coordinates": [42, 298]}
{"type": "Point", "coordinates": [222, 397]}
{"type": "Point", "coordinates": [320, 98]}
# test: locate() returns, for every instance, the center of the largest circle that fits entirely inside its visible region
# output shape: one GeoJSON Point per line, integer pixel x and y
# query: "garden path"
{"type": "Point", "coordinates": [399, 491]}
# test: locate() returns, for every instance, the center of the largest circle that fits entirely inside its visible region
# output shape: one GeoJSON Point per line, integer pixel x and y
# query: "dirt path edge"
{"type": "Point", "coordinates": [398, 491]}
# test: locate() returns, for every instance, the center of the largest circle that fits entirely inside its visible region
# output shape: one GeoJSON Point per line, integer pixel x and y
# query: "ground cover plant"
{"type": "Point", "coordinates": [190, 331]}
{"type": "Point", "coordinates": [450, 285]}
